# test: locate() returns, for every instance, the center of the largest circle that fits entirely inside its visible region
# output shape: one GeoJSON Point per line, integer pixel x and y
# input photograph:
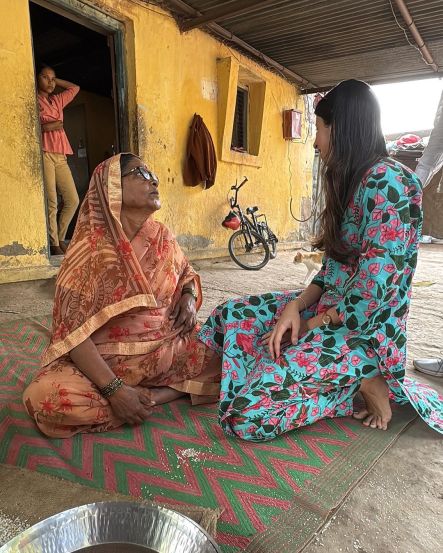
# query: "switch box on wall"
{"type": "Point", "coordinates": [292, 124]}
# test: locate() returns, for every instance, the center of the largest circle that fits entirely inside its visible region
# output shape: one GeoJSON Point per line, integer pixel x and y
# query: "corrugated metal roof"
{"type": "Point", "coordinates": [328, 40]}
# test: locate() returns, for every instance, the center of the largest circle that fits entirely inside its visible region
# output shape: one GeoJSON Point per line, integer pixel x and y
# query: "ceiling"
{"type": "Point", "coordinates": [326, 41]}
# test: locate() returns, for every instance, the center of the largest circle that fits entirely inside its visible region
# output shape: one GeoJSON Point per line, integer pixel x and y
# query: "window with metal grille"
{"type": "Point", "coordinates": [240, 131]}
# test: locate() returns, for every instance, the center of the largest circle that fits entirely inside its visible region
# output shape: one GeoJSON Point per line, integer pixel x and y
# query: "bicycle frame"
{"type": "Point", "coordinates": [245, 221]}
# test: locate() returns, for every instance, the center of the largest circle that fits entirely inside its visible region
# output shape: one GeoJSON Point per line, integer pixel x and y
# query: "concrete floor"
{"type": "Point", "coordinates": [398, 507]}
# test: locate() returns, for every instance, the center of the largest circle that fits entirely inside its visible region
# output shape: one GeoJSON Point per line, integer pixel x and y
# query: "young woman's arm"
{"type": "Point", "coordinates": [316, 321]}
{"type": "Point", "coordinates": [70, 92]}
{"type": "Point", "coordinates": [391, 208]}
{"type": "Point", "coordinates": [65, 84]}
{"type": "Point", "coordinates": [53, 126]}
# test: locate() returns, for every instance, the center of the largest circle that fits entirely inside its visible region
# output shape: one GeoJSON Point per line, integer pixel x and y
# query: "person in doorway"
{"type": "Point", "coordinates": [55, 145]}
{"type": "Point", "coordinates": [293, 358]}
{"type": "Point", "coordinates": [124, 333]}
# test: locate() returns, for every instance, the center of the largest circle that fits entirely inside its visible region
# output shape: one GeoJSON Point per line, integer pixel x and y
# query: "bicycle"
{"type": "Point", "coordinates": [253, 243]}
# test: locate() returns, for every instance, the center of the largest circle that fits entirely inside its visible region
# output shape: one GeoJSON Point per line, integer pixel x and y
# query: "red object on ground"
{"type": "Point", "coordinates": [408, 139]}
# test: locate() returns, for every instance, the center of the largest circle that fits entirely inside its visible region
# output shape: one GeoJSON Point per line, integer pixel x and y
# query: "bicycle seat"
{"type": "Point", "coordinates": [251, 210]}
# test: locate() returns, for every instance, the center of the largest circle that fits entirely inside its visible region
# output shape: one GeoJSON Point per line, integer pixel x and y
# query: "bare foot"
{"type": "Point", "coordinates": [159, 394]}
{"type": "Point", "coordinates": [377, 413]}
{"type": "Point", "coordinates": [145, 396]}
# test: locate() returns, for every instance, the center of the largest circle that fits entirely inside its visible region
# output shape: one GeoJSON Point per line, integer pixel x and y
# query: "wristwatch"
{"type": "Point", "coordinates": [326, 319]}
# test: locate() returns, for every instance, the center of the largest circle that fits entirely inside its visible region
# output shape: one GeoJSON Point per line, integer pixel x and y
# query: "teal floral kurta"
{"type": "Point", "coordinates": [318, 377]}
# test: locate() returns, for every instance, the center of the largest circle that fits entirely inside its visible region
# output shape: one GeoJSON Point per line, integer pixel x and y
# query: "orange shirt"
{"type": "Point", "coordinates": [51, 109]}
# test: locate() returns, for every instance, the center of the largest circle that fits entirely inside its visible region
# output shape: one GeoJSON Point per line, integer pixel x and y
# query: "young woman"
{"type": "Point", "coordinates": [290, 359]}
{"type": "Point", "coordinates": [56, 147]}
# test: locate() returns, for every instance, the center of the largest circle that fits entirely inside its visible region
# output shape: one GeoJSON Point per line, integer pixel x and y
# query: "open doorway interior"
{"type": "Point", "coordinates": [85, 57]}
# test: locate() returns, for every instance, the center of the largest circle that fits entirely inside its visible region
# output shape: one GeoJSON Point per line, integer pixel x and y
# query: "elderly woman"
{"type": "Point", "coordinates": [124, 325]}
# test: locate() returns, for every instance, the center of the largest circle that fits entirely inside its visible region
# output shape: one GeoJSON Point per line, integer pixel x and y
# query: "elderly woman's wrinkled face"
{"type": "Point", "coordinates": [137, 191]}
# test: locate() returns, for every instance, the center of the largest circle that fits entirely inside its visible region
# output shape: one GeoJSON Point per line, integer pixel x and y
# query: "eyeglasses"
{"type": "Point", "coordinates": [145, 173]}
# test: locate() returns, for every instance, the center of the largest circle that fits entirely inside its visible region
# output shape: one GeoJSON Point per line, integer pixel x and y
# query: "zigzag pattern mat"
{"type": "Point", "coordinates": [274, 495]}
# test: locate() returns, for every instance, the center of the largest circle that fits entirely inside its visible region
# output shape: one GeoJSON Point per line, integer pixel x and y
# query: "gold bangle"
{"type": "Point", "coordinates": [304, 303]}
{"type": "Point", "coordinates": [110, 389]}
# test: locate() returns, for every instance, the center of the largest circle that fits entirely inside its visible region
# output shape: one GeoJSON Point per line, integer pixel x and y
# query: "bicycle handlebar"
{"type": "Point", "coordinates": [238, 186]}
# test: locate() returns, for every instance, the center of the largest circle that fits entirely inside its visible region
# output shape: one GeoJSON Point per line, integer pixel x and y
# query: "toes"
{"type": "Point", "coordinates": [147, 402]}
{"type": "Point", "coordinates": [145, 396]}
{"type": "Point", "coordinates": [360, 415]}
{"type": "Point", "coordinates": [384, 424]}
{"type": "Point", "coordinates": [369, 421]}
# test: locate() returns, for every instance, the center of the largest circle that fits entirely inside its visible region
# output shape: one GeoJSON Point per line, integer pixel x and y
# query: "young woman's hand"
{"type": "Point", "coordinates": [128, 406]}
{"type": "Point", "coordinates": [53, 126]}
{"type": "Point", "coordinates": [286, 340]}
{"type": "Point", "coordinates": [288, 329]}
{"type": "Point", "coordinates": [64, 84]}
{"type": "Point", "coordinates": [185, 314]}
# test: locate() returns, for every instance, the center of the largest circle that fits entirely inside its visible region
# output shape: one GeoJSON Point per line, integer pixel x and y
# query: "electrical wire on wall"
{"type": "Point", "coordinates": [291, 199]}
{"type": "Point", "coordinates": [308, 111]}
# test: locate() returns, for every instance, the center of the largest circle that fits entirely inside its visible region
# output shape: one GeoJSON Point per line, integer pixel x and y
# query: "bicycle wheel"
{"type": "Point", "coordinates": [270, 238]}
{"type": "Point", "coordinates": [249, 254]}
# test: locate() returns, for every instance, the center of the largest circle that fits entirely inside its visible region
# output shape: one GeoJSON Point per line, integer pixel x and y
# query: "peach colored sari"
{"type": "Point", "coordinates": [120, 294]}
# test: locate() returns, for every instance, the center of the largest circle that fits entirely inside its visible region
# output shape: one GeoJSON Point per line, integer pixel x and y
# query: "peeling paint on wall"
{"type": "Point", "coordinates": [191, 242]}
{"type": "Point", "coordinates": [209, 90]}
{"type": "Point", "coordinates": [15, 249]}
{"type": "Point", "coordinates": [142, 138]}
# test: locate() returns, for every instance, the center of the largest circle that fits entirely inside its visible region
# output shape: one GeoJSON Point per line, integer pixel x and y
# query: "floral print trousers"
{"type": "Point", "coordinates": [261, 398]}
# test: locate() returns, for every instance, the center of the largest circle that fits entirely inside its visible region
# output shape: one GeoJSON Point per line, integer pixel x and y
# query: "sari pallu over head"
{"type": "Point", "coordinates": [101, 276]}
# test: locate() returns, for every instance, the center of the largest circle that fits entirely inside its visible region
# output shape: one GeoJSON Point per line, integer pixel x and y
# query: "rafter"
{"type": "Point", "coordinates": [222, 12]}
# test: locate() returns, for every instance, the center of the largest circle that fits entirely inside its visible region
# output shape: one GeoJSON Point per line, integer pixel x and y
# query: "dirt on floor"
{"type": "Point", "coordinates": [398, 506]}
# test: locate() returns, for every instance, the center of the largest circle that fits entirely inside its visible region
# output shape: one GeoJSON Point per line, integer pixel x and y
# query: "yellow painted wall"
{"type": "Point", "coordinates": [175, 76]}
{"type": "Point", "coordinates": [23, 236]}
{"type": "Point", "coordinates": [175, 73]}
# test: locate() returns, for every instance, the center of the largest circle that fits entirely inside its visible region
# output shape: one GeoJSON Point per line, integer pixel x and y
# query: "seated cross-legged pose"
{"type": "Point", "coordinates": [290, 359]}
{"type": "Point", "coordinates": [124, 327]}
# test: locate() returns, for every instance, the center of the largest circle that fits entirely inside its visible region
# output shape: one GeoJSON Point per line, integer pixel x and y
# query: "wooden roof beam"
{"type": "Point", "coordinates": [222, 12]}
{"type": "Point", "coordinates": [221, 32]}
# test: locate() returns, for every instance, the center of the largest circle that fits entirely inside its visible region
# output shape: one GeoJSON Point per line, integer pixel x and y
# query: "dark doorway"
{"type": "Point", "coordinates": [85, 57]}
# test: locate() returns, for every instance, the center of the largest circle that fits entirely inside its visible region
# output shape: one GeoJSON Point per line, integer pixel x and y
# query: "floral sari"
{"type": "Point", "coordinates": [120, 294]}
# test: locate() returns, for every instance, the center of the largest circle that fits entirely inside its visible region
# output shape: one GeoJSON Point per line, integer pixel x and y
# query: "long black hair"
{"type": "Point", "coordinates": [353, 113]}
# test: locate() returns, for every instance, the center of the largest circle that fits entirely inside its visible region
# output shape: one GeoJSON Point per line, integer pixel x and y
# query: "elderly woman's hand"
{"type": "Point", "coordinates": [128, 405]}
{"type": "Point", "coordinates": [185, 314]}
